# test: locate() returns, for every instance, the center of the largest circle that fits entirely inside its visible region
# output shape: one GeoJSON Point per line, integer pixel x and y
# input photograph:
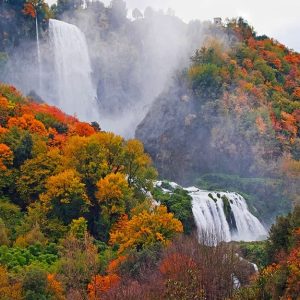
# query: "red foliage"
{"type": "Point", "coordinates": [83, 129]}
{"type": "Point", "coordinates": [29, 10]}
{"type": "Point", "coordinates": [293, 58]}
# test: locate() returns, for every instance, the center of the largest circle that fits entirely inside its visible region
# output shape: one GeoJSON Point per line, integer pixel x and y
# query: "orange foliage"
{"type": "Point", "coordinates": [175, 263]}
{"type": "Point", "coordinates": [3, 130]}
{"type": "Point", "coordinates": [248, 63]}
{"type": "Point", "coordinates": [293, 281]}
{"type": "Point", "coordinates": [4, 109]}
{"type": "Point", "coordinates": [101, 284]}
{"type": "Point", "coordinates": [28, 122]}
{"type": "Point", "coordinates": [48, 110]}
{"type": "Point", "coordinates": [296, 93]}
{"type": "Point", "coordinates": [114, 264]}
{"type": "Point", "coordinates": [83, 129]}
{"type": "Point", "coordinates": [54, 287]}
{"type": "Point", "coordinates": [29, 10]}
{"type": "Point", "coordinates": [270, 57]}
{"type": "Point", "coordinates": [293, 58]}
{"type": "Point", "coordinates": [8, 289]}
{"type": "Point", "coordinates": [6, 156]}
{"type": "Point", "coordinates": [289, 123]}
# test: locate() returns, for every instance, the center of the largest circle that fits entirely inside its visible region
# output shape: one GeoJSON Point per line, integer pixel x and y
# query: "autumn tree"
{"type": "Point", "coordinates": [100, 284]}
{"type": "Point", "coordinates": [9, 289]}
{"type": "Point", "coordinates": [34, 173]}
{"type": "Point", "coordinates": [138, 166]}
{"type": "Point", "coordinates": [114, 196]}
{"type": "Point", "coordinates": [65, 196]}
{"type": "Point", "coordinates": [78, 264]}
{"type": "Point", "coordinates": [145, 229]}
{"type": "Point", "coordinates": [6, 156]}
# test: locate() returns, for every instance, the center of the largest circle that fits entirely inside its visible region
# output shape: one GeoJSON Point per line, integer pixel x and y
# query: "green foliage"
{"type": "Point", "coordinates": [138, 261]}
{"type": "Point", "coordinates": [280, 235]}
{"type": "Point", "coordinates": [15, 258]}
{"type": "Point", "coordinates": [35, 283]}
{"type": "Point", "coordinates": [205, 80]}
{"type": "Point", "coordinates": [254, 252]}
{"type": "Point", "coordinates": [78, 227]}
{"type": "Point", "coordinates": [10, 214]}
{"type": "Point", "coordinates": [179, 202]}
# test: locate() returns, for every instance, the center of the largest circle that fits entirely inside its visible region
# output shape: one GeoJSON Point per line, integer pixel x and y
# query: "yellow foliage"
{"type": "Point", "coordinates": [8, 289]}
{"type": "Point", "coordinates": [30, 238]}
{"type": "Point", "coordinates": [146, 229]}
{"type": "Point", "coordinates": [113, 192]}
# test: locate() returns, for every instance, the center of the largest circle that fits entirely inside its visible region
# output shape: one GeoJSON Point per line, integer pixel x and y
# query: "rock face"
{"type": "Point", "coordinates": [167, 127]}
{"type": "Point", "coordinates": [185, 138]}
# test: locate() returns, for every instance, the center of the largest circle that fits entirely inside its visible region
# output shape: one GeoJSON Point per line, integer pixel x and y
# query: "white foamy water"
{"type": "Point", "coordinates": [76, 94]}
{"type": "Point", "coordinates": [215, 223]}
{"type": "Point", "coordinates": [211, 219]}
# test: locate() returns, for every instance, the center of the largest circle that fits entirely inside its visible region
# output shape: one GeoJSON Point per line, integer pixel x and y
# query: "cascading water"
{"type": "Point", "coordinates": [38, 51]}
{"type": "Point", "coordinates": [76, 94]}
{"type": "Point", "coordinates": [222, 216]}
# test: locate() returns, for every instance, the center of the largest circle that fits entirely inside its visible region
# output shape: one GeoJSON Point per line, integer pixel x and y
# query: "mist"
{"type": "Point", "coordinates": [132, 63]}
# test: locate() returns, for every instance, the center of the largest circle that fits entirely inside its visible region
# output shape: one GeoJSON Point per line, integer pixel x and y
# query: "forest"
{"type": "Point", "coordinates": [82, 215]}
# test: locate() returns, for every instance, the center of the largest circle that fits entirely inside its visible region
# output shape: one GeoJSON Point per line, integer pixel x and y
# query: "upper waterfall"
{"type": "Point", "coordinates": [76, 94]}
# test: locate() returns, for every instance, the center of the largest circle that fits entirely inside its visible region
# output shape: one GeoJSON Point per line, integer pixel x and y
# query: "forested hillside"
{"type": "Point", "coordinates": [232, 120]}
{"type": "Point", "coordinates": [77, 222]}
{"type": "Point", "coordinates": [83, 215]}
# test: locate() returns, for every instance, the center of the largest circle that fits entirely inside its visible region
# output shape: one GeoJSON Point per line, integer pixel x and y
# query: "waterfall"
{"type": "Point", "coordinates": [38, 51]}
{"type": "Point", "coordinates": [222, 216]}
{"type": "Point", "coordinates": [73, 84]}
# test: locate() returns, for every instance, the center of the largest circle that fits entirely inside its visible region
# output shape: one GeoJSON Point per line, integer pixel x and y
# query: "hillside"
{"type": "Point", "coordinates": [232, 119]}
{"type": "Point", "coordinates": [76, 221]}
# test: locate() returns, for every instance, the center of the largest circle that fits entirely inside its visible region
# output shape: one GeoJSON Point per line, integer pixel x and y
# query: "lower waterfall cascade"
{"type": "Point", "coordinates": [222, 216]}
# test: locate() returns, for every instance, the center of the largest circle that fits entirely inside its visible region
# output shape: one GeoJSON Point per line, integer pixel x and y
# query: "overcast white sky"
{"type": "Point", "coordinates": [276, 18]}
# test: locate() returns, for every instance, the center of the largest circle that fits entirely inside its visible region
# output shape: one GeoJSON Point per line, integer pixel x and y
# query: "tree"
{"type": "Point", "coordinates": [9, 289]}
{"type": "Point", "coordinates": [113, 195]}
{"type": "Point", "coordinates": [100, 284]}
{"type": "Point", "coordinates": [136, 14]}
{"type": "Point", "coordinates": [34, 173]}
{"type": "Point", "coordinates": [145, 229]}
{"type": "Point", "coordinates": [35, 283]}
{"type": "Point", "coordinates": [3, 234]}
{"type": "Point", "coordinates": [138, 166]}
{"type": "Point", "coordinates": [117, 13]}
{"type": "Point", "coordinates": [79, 262]}
{"type": "Point", "coordinates": [87, 157]}
{"type": "Point", "coordinates": [65, 196]}
{"type": "Point", "coordinates": [6, 156]}
{"type": "Point", "coordinates": [23, 150]}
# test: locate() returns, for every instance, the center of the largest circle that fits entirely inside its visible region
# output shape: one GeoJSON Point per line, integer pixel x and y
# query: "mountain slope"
{"type": "Point", "coordinates": [237, 112]}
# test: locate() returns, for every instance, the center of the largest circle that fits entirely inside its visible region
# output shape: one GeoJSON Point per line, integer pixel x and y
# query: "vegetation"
{"type": "Point", "coordinates": [280, 278]}
{"type": "Point", "coordinates": [70, 194]}
{"type": "Point", "coordinates": [76, 217]}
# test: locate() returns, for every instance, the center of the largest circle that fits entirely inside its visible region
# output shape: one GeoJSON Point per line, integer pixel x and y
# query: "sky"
{"type": "Point", "coordinates": [279, 19]}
